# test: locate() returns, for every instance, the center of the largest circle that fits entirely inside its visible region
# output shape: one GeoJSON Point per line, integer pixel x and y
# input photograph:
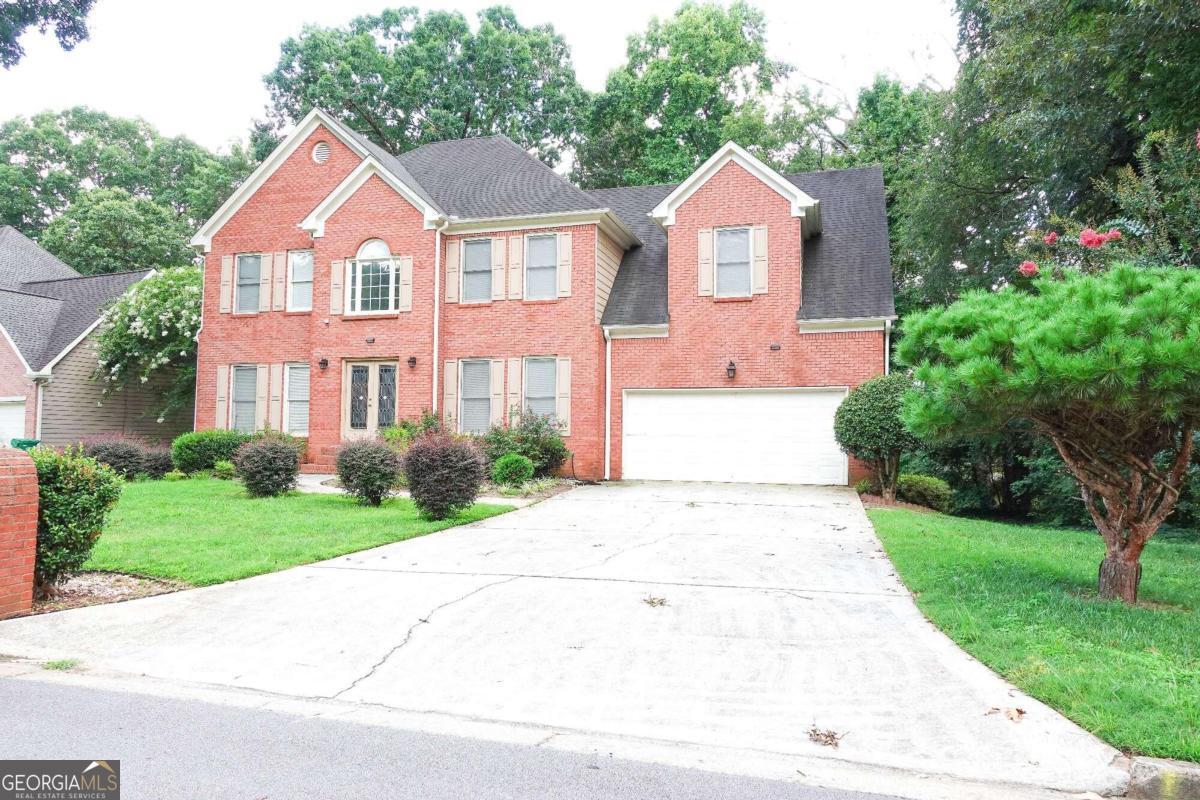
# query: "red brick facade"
{"type": "Point", "coordinates": [704, 333]}
{"type": "Point", "coordinates": [18, 531]}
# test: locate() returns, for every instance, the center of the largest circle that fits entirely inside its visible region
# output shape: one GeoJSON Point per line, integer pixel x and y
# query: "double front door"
{"type": "Point", "coordinates": [368, 398]}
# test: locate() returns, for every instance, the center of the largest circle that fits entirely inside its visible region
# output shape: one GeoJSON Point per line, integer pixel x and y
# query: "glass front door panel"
{"type": "Point", "coordinates": [387, 395]}
{"type": "Point", "coordinates": [360, 379]}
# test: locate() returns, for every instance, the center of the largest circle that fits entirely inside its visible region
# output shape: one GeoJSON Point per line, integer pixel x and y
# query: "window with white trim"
{"type": "Point", "coordinates": [732, 262]}
{"type": "Point", "coordinates": [372, 286]}
{"type": "Point", "coordinates": [249, 271]}
{"type": "Point", "coordinates": [242, 398]}
{"type": "Point", "coordinates": [541, 266]}
{"type": "Point", "coordinates": [475, 396]}
{"type": "Point", "coordinates": [300, 280]}
{"type": "Point", "coordinates": [295, 400]}
{"type": "Point", "coordinates": [477, 271]}
{"type": "Point", "coordinates": [541, 377]}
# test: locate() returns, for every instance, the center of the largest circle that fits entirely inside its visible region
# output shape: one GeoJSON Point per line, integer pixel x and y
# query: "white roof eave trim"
{"type": "Point", "coordinates": [370, 167]}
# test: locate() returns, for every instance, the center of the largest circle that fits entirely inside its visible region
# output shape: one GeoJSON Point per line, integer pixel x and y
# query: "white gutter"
{"type": "Point", "coordinates": [887, 347]}
{"type": "Point", "coordinates": [37, 425]}
{"type": "Point", "coordinates": [607, 405]}
{"type": "Point", "coordinates": [437, 303]}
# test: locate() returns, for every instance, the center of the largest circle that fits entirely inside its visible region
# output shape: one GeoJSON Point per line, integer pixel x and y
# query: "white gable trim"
{"type": "Point", "coordinates": [258, 177]}
{"type": "Point", "coordinates": [314, 223]}
{"type": "Point", "coordinates": [15, 349]}
{"type": "Point", "coordinates": [803, 206]}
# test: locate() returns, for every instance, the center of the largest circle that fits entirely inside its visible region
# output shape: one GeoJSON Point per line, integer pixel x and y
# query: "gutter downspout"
{"type": "Point", "coordinates": [437, 304]}
{"type": "Point", "coordinates": [887, 347]}
{"type": "Point", "coordinates": [607, 404]}
{"type": "Point", "coordinates": [38, 386]}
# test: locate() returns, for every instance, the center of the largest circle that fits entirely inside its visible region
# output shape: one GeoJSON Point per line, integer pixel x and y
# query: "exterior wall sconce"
{"type": "Point", "coordinates": [412, 362]}
{"type": "Point", "coordinates": [730, 370]}
{"type": "Point", "coordinates": [323, 364]}
{"type": "Point", "coordinates": [370, 340]}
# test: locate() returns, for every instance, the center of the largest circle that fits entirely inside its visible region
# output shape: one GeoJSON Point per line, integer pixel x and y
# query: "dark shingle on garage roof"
{"type": "Point", "coordinates": [639, 293]}
{"type": "Point", "coordinates": [21, 260]}
{"type": "Point", "coordinates": [81, 301]}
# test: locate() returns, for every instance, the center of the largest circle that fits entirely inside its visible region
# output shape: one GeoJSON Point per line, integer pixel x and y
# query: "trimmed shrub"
{"type": "Point", "coordinates": [925, 490]}
{"type": "Point", "coordinates": [156, 462]}
{"type": "Point", "coordinates": [267, 466]}
{"type": "Point", "coordinates": [868, 426]}
{"type": "Point", "coordinates": [368, 470]}
{"type": "Point", "coordinates": [125, 456]}
{"type": "Point", "coordinates": [75, 496]}
{"type": "Point", "coordinates": [201, 449]}
{"type": "Point", "coordinates": [865, 486]}
{"type": "Point", "coordinates": [224, 470]}
{"type": "Point", "coordinates": [532, 436]}
{"type": "Point", "coordinates": [512, 469]}
{"type": "Point", "coordinates": [175, 475]}
{"type": "Point", "coordinates": [444, 474]}
{"type": "Point", "coordinates": [295, 442]}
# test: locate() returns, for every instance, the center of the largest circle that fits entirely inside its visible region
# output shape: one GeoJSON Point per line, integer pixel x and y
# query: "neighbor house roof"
{"type": "Point", "coordinates": [45, 306]}
{"type": "Point", "coordinates": [847, 267]}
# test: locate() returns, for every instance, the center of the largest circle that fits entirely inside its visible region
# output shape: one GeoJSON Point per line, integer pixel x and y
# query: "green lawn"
{"type": "Point", "coordinates": [1022, 599]}
{"type": "Point", "coordinates": [206, 531]}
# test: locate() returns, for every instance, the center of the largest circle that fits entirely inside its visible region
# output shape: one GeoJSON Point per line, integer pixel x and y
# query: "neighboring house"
{"type": "Point", "coordinates": [48, 313]}
{"type": "Point", "coordinates": [704, 331]}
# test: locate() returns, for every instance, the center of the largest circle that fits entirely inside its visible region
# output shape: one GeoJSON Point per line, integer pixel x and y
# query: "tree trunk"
{"type": "Point", "coordinates": [1119, 578]}
{"type": "Point", "coordinates": [888, 492]}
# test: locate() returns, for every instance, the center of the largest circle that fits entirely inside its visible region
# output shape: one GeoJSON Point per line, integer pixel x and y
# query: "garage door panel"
{"type": "Point", "coordinates": [752, 436]}
{"type": "Point", "coordinates": [12, 421]}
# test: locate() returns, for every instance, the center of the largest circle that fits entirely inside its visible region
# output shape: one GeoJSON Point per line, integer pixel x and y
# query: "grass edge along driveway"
{"type": "Point", "coordinates": [206, 531]}
{"type": "Point", "coordinates": [1022, 599]}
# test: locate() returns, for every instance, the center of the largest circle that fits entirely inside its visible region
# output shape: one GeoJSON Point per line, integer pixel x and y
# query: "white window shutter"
{"type": "Point", "coordinates": [497, 389]}
{"type": "Point", "coordinates": [260, 398]}
{"type": "Point", "coordinates": [450, 394]}
{"type": "Point", "coordinates": [453, 254]}
{"type": "Point", "coordinates": [221, 420]}
{"type": "Point", "coordinates": [516, 390]}
{"type": "Point", "coordinates": [337, 273]}
{"type": "Point", "coordinates": [404, 268]}
{"type": "Point", "coordinates": [275, 414]}
{"type": "Point", "coordinates": [497, 268]}
{"type": "Point", "coordinates": [226, 305]}
{"type": "Point", "coordinates": [279, 297]}
{"type": "Point", "coordinates": [264, 282]}
{"type": "Point", "coordinates": [562, 384]}
{"type": "Point", "coordinates": [564, 265]}
{"type": "Point", "coordinates": [759, 277]}
{"type": "Point", "coordinates": [704, 265]}
{"type": "Point", "coordinates": [516, 267]}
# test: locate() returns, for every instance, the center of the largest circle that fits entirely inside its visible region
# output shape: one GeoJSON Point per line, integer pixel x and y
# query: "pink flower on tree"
{"type": "Point", "coordinates": [1051, 237]}
{"type": "Point", "coordinates": [1089, 238]}
{"type": "Point", "coordinates": [1028, 269]}
{"type": "Point", "coordinates": [1112, 235]}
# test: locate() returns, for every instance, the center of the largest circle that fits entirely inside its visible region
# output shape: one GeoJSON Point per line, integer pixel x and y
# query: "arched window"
{"type": "Point", "coordinates": [371, 281]}
{"type": "Point", "coordinates": [373, 249]}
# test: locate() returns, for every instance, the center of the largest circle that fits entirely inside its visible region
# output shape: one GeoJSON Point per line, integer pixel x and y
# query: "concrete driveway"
{"type": "Point", "coordinates": [728, 620]}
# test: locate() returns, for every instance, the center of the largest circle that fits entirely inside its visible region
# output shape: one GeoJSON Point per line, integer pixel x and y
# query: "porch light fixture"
{"type": "Point", "coordinates": [323, 364]}
{"type": "Point", "coordinates": [730, 370]}
{"type": "Point", "coordinates": [412, 362]}
{"type": "Point", "coordinates": [370, 340]}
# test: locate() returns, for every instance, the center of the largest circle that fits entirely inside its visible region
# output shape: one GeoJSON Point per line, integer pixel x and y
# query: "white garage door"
{"type": "Point", "coordinates": [12, 421]}
{"type": "Point", "coordinates": [740, 435]}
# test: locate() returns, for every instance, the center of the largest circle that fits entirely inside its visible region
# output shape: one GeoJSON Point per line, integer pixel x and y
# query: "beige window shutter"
{"type": "Point", "coordinates": [337, 273]}
{"type": "Point", "coordinates": [497, 268]}
{"type": "Point", "coordinates": [264, 282]}
{"type": "Point", "coordinates": [226, 284]}
{"type": "Point", "coordinates": [221, 420]}
{"type": "Point", "coordinates": [275, 415]}
{"type": "Point", "coordinates": [562, 406]}
{"type": "Point", "coordinates": [516, 390]}
{"type": "Point", "coordinates": [260, 398]}
{"type": "Point", "coordinates": [404, 268]}
{"type": "Point", "coordinates": [564, 265]}
{"type": "Point", "coordinates": [516, 267]}
{"type": "Point", "coordinates": [453, 254]}
{"type": "Point", "coordinates": [450, 394]}
{"type": "Point", "coordinates": [759, 278]}
{"type": "Point", "coordinates": [704, 267]}
{"type": "Point", "coordinates": [497, 390]}
{"type": "Point", "coordinates": [279, 298]}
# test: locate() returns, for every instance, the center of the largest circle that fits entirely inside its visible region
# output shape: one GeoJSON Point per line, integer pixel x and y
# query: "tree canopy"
{"type": "Point", "coordinates": [68, 18]}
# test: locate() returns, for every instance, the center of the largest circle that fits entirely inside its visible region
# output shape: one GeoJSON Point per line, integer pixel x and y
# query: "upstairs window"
{"type": "Point", "coordinates": [371, 282]}
{"type": "Point", "coordinates": [477, 271]}
{"type": "Point", "coordinates": [300, 280]}
{"type": "Point", "coordinates": [541, 267]}
{"type": "Point", "coordinates": [249, 271]}
{"type": "Point", "coordinates": [733, 262]}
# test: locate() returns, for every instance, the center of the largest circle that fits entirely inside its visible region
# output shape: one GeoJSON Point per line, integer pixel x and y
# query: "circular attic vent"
{"type": "Point", "coordinates": [320, 153]}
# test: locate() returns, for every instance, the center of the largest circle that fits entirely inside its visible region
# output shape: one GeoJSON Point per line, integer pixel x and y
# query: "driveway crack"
{"type": "Point", "coordinates": [408, 636]}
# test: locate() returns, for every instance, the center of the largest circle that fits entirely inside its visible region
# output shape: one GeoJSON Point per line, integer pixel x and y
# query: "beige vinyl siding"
{"type": "Point", "coordinates": [608, 261]}
{"type": "Point", "coordinates": [70, 411]}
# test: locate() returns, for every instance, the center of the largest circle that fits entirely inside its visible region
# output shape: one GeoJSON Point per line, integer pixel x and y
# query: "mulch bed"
{"type": "Point", "coordinates": [95, 588]}
{"type": "Point", "coordinates": [875, 501]}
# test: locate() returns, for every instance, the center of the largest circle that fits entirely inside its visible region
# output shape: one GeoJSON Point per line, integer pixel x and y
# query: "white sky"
{"type": "Point", "coordinates": [196, 68]}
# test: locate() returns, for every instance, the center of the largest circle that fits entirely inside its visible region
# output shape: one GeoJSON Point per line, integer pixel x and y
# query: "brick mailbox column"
{"type": "Point", "coordinates": [18, 531]}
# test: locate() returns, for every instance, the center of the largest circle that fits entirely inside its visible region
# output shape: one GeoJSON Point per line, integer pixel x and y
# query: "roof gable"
{"type": "Point", "coordinates": [22, 259]}
{"type": "Point", "coordinates": [370, 167]}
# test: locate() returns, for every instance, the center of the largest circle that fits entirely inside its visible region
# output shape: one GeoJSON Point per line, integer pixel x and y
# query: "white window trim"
{"type": "Point", "coordinates": [749, 229]}
{"type": "Point", "coordinates": [233, 368]}
{"type": "Point", "coordinates": [525, 380]}
{"type": "Point", "coordinates": [237, 286]}
{"type": "Point", "coordinates": [347, 300]}
{"type": "Point", "coordinates": [286, 400]}
{"type": "Point", "coordinates": [311, 281]}
{"type": "Point", "coordinates": [525, 265]}
{"type": "Point", "coordinates": [462, 272]}
{"type": "Point", "coordinates": [462, 396]}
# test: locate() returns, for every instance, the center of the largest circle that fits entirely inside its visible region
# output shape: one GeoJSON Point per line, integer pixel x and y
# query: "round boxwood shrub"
{"type": "Point", "coordinates": [444, 474]}
{"type": "Point", "coordinates": [532, 436]}
{"type": "Point", "coordinates": [868, 426]}
{"type": "Point", "coordinates": [75, 495]}
{"type": "Point", "coordinates": [368, 470]}
{"type": "Point", "coordinates": [202, 449]}
{"type": "Point", "coordinates": [925, 490]}
{"type": "Point", "coordinates": [125, 456]}
{"type": "Point", "coordinates": [156, 462]}
{"type": "Point", "coordinates": [512, 469]}
{"type": "Point", "coordinates": [268, 467]}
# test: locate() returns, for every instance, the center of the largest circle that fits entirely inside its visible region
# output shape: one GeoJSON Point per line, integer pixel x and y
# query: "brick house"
{"type": "Point", "coordinates": [704, 331]}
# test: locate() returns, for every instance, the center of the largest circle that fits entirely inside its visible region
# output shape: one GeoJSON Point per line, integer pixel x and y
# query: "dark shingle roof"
{"type": "Point", "coordinates": [81, 301]}
{"type": "Point", "coordinates": [847, 267]}
{"type": "Point", "coordinates": [29, 320]}
{"type": "Point", "coordinates": [390, 162]}
{"type": "Point", "coordinates": [22, 260]}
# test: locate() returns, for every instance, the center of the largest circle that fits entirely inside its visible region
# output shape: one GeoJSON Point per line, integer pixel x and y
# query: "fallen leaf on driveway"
{"type": "Point", "coordinates": [826, 737]}
{"type": "Point", "coordinates": [655, 601]}
{"type": "Point", "coordinates": [1013, 714]}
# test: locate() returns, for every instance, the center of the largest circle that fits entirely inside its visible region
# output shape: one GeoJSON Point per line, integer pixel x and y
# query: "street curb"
{"type": "Point", "coordinates": [1163, 779]}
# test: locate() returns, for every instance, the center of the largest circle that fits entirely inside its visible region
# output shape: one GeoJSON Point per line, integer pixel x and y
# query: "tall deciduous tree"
{"type": "Point", "coordinates": [404, 79]}
{"type": "Point", "coordinates": [68, 18]}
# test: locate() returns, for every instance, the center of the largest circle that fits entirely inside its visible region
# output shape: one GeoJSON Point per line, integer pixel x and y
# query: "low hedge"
{"type": "Point", "coordinates": [202, 449]}
{"type": "Point", "coordinates": [925, 490]}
